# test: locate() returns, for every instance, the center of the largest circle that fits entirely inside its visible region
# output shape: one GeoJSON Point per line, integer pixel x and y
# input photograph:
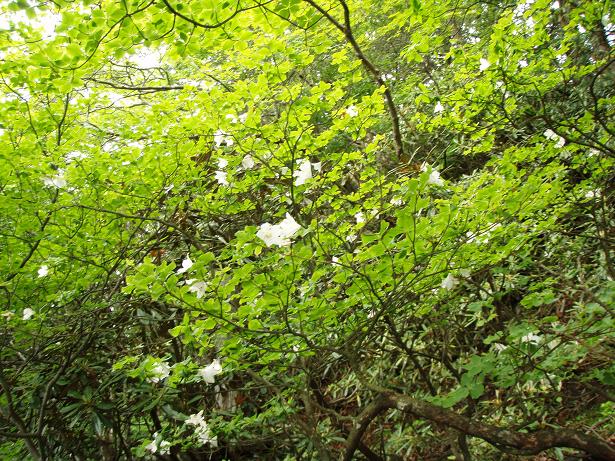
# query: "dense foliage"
{"type": "Point", "coordinates": [307, 229]}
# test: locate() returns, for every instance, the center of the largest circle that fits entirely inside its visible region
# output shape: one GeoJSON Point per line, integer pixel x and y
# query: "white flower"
{"type": "Point", "coordinates": [531, 338]}
{"type": "Point", "coordinates": [435, 179]}
{"type": "Point", "coordinates": [204, 434]}
{"type": "Point", "coordinates": [279, 234]}
{"type": "Point", "coordinates": [550, 134]}
{"type": "Point", "coordinates": [164, 447]}
{"type": "Point", "coordinates": [200, 288]}
{"type": "Point", "coordinates": [247, 162]}
{"type": "Point", "coordinates": [202, 429]}
{"type": "Point", "coordinates": [360, 218]}
{"type": "Point", "coordinates": [434, 176]}
{"type": "Point", "coordinates": [196, 419]}
{"type": "Point", "coordinates": [438, 108]}
{"type": "Point", "coordinates": [592, 193]}
{"type": "Point", "coordinates": [553, 136]}
{"type": "Point", "coordinates": [243, 117]}
{"type": "Point", "coordinates": [303, 173]}
{"type": "Point", "coordinates": [208, 373]}
{"type": "Point", "coordinates": [335, 260]}
{"type": "Point", "coordinates": [561, 58]}
{"type": "Point", "coordinates": [396, 201]}
{"type": "Point", "coordinates": [555, 5]}
{"type": "Point", "coordinates": [522, 63]}
{"type": "Point", "coordinates": [186, 264]}
{"type": "Point", "coordinates": [57, 181]}
{"type": "Point", "coordinates": [221, 177]}
{"type": "Point", "coordinates": [43, 271]}
{"type": "Point", "coordinates": [28, 313]}
{"type": "Point", "coordinates": [222, 163]}
{"type": "Point", "coordinates": [152, 447]}
{"type": "Point", "coordinates": [449, 282]}
{"type": "Point", "coordinates": [160, 372]}
{"type": "Point", "coordinates": [289, 226]}
{"type": "Point", "coordinates": [232, 118]}
{"type": "Point", "coordinates": [222, 138]}
{"type": "Point", "coordinates": [317, 166]}
{"type": "Point", "coordinates": [387, 77]}
{"type": "Point", "coordinates": [351, 238]}
{"type": "Point", "coordinates": [268, 233]}
{"type": "Point", "coordinates": [484, 64]}
{"type": "Point", "coordinates": [156, 445]}
{"type": "Point", "coordinates": [74, 155]}
{"type": "Point", "coordinates": [352, 111]}
{"type": "Point", "coordinates": [498, 347]}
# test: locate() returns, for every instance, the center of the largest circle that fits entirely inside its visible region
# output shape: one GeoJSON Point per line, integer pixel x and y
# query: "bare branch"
{"type": "Point", "coordinates": [523, 443]}
{"type": "Point", "coordinates": [346, 29]}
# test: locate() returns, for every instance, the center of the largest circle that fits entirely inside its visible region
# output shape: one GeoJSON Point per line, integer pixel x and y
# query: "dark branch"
{"type": "Point", "coordinates": [211, 26]}
{"type": "Point", "coordinates": [148, 89]}
{"type": "Point", "coordinates": [526, 443]}
{"type": "Point", "coordinates": [346, 29]}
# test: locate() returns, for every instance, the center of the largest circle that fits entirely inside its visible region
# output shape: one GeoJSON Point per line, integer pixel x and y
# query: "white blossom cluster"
{"type": "Point", "coordinates": [199, 288]}
{"type": "Point", "coordinates": [158, 446]}
{"type": "Point", "coordinates": [449, 282]}
{"type": "Point", "coordinates": [222, 138]}
{"type": "Point", "coordinates": [553, 136]}
{"type": "Point", "coordinates": [352, 111]}
{"type": "Point", "coordinates": [242, 118]}
{"type": "Point", "coordinates": [303, 172]}
{"type": "Point", "coordinates": [434, 176]}
{"type": "Point", "coordinates": [56, 181]}
{"type": "Point", "coordinates": [221, 175]}
{"type": "Point", "coordinates": [202, 430]}
{"type": "Point", "coordinates": [186, 265]}
{"type": "Point", "coordinates": [531, 338]}
{"type": "Point", "coordinates": [278, 234]}
{"type": "Point", "coordinates": [208, 374]}
{"type": "Point", "coordinates": [247, 162]}
{"type": "Point", "coordinates": [159, 372]}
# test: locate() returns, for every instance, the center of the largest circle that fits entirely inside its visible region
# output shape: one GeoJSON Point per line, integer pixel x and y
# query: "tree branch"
{"type": "Point", "coordinates": [148, 89]}
{"type": "Point", "coordinates": [346, 29]}
{"type": "Point", "coordinates": [16, 419]}
{"type": "Point", "coordinates": [525, 443]}
{"type": "Point", "coordinates": [211, 26]}
{"type": "Point", "coordinates": [365, 418]}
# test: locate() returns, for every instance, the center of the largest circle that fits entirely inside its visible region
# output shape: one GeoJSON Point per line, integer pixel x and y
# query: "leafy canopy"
{"type": "Point", "coordinates": [306, 230]}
